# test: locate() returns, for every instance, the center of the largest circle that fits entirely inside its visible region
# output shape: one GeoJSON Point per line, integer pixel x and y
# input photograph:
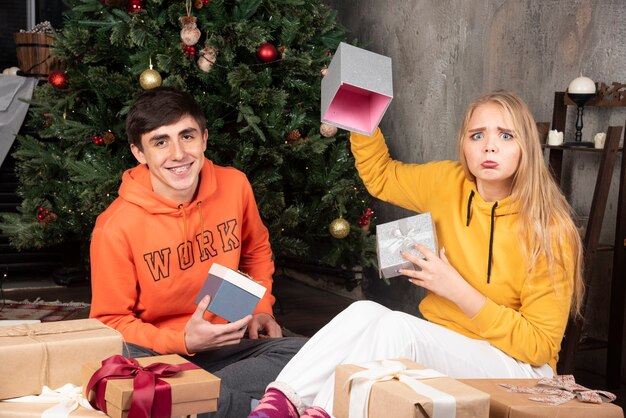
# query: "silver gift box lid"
{"type": "Point", "coordinates": [358, 68]}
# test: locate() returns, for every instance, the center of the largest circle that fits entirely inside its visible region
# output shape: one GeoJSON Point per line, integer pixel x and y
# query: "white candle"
{"type": "Point", "coordinates": [598, 140]}
{"type": "Point", "coordinates": [582, 85]}
{"type": "Point", "coordinates": [555, 138]}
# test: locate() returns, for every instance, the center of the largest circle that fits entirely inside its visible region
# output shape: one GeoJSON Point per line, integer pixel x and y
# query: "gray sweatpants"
{"type": "Point", "coordinates": [245, 369]}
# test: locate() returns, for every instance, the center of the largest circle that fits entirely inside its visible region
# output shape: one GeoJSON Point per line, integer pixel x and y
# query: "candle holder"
{"type": "Point", "coordinates": [580, 99]}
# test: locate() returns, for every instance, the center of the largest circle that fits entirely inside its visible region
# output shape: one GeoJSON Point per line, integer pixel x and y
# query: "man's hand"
{"type": "Point", "coordinates": [201, 335]}
{"type": "Point", "coordinates": [263, 325]}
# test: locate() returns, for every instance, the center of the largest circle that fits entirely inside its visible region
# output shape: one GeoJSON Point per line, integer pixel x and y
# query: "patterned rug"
{"type": "Point", "coordinates": [38, 309]}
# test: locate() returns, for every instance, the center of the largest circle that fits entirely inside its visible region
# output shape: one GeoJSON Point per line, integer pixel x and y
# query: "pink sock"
{"type": "Point", "coordinates": [274, 404]}
{"type": "Point", "coordinates": [315, 412]}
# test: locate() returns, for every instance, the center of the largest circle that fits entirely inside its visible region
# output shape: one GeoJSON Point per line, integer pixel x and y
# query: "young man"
{"type": "Point", "coordinates": [151, 249]}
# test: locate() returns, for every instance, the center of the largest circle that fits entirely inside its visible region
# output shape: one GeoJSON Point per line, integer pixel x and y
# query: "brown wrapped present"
{"type": "Point", "coordinates": [52, 353]}
{"type": "Point", "coordinates": [35, 410]}
{"type": "Point", "coordinates": [120, 384]}
{"type": "Point", "coordinates": [403, 389]}
{"type": "Point", "coordinates": [506, 404]}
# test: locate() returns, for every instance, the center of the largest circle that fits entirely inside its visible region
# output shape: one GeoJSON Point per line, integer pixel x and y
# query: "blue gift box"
{"type": "Point", "coordinates": [233, 295]}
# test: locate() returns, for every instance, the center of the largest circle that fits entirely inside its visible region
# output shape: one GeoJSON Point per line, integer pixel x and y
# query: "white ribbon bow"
{"type": "Point", "coordinates": [399, 241]}
{"type": "Point", "coordinates": [67, 399]}
{"type": "Point", "coordinates": [444, 405]}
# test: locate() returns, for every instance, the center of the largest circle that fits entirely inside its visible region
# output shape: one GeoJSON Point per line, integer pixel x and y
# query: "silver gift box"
{"type": "Point", "coordinates": [356, 90]}
{"type": "Point", "coordinates": [402, 235]}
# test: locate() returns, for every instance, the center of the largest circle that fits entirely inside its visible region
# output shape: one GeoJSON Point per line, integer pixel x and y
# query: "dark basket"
{"type": "Point", "coordinates": [33, 54]}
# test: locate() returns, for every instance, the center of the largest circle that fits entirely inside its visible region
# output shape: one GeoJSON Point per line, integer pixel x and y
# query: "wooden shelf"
{"type": "Point", "coordinates": [608, 96]}
{"type": "Point", "coordinates": [577, 149]}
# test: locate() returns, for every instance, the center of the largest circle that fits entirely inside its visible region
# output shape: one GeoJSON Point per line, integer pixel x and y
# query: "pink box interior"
{"type": "Point", "coordinates": [356, 108]}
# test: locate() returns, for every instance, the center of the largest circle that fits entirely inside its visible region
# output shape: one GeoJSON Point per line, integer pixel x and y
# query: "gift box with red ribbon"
{"type": "Point", "coordinates": [157, 387]}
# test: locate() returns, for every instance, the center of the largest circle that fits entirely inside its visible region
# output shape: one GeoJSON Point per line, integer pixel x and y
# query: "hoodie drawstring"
{"type": "Point", "coordinates": [202, 231]}
{"type": "Point", "coordinates": [198, 205]}
{"type": "Point", "coordinates": [469, 205]}
{"type": "Point", "coordinates": [493, 218]}
{"type": "Point", "coordinates": [491, 230]}
{"type": "Point", "coordinates": [182, 209]}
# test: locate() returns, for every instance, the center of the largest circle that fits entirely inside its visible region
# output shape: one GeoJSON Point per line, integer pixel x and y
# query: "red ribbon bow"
{"type": "Point", "coordinates": [152, 397]}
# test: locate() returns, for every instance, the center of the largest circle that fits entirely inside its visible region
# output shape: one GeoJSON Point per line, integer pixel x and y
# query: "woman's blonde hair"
{"type": "Point", "coordinates": [545, 215]}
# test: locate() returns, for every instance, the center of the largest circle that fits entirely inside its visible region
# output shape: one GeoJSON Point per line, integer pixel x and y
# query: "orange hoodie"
{"type": "Point", "coordinates": [150, 255]}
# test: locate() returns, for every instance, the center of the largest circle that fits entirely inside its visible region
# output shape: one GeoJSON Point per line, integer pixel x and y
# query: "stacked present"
{"type": "Point", "coordinates": [50, 361]}
{"type": "Point", "coordinates": [52, 353]}
{"type": "Point", "coordinates": [49, 355]}
{"type": "Point", "coordinates": [157, 387]}
{"type": "Point", "coordinates": [403, 389]}
{"type": "Point", "coordinates": [402, 235]}
{"type": "Point", "coordinates": [66, 401]}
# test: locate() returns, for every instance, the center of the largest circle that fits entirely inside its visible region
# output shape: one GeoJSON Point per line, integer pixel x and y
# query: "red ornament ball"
{"type": "Point", "coordinates": [267, 53]}
{"type": "Point", "coordinates": [42, 213]}
{"type": "Point", "coordinates": [189, 50]}
{"type": "Point", "coordinates": [134, 6]}
{"type": "Point", "coordinates": [58, 79]}
{"type": "Point", "coordinates": [364, 219]}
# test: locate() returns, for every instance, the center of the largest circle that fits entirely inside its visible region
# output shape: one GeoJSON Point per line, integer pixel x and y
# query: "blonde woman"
{"type": "Point", "coordinates": [499, 291]}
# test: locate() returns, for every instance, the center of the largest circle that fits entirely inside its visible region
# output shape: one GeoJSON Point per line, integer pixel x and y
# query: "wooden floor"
{"type": "Point", "coordinates": [300, 308]}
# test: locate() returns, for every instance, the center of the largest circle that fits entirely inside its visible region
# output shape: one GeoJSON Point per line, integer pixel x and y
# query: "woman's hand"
{"type": "Point", "coordinates": [437, 275]}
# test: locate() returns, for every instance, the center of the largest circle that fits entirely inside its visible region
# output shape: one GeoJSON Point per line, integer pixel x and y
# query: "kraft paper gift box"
{"type": "Point", "coordinates": [505, 404]}
{"type": "Point", "coordinates": [66, 401]}
{"type": "Point", "coordinates": [398, 393]}
{"type": "Point", "coordinates": [356, 90]}
{"type": "Point", "coordinates": [52, 353]}
{"type": "Point", "coordinates": [233, 295]}
{"type": "Point", "coordinates": [35, 410]}
{"type": "Point", "coordinates": [402, 235]}
{"type": "Point", "coordinates": [192, 390]}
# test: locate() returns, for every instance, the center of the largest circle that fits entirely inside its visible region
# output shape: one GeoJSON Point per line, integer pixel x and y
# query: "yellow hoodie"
{"type": "Point", "coordinates": [526, 312]}
{"type": "Point", "coordinates": [150, 255]}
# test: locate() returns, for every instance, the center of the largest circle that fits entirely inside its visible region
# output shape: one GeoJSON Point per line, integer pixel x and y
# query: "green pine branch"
{"type": "Point", "coordinates": [263, 118]}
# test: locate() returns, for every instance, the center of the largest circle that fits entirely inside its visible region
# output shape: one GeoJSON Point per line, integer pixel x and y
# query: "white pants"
{"type": "Point", "coordinates": [367, 331]}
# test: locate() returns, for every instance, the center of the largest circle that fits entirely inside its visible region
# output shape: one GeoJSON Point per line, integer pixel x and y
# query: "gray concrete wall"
{"type": "Point", "coordinates": [447, 52]}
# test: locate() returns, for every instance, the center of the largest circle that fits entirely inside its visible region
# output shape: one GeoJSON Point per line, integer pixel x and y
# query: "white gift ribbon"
{"type": "Point", "coordinates": [399, 241]}
{"type": "Point", "coordinates": [444, 405]}
{"type": "Point", "coordinates": [67, 399]}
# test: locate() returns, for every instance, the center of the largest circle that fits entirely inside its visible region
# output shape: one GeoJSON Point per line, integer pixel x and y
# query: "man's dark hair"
{"type": "Point", "coordinates": [159, 107]}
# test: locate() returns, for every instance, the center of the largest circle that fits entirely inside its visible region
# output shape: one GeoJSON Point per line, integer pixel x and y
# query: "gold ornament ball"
{"type": "Point", "coordinates": [327, 130]}
{"type": "Point", "coordinates": [339, 228]}
{"type": "Point", "coordinates": [150, 79]}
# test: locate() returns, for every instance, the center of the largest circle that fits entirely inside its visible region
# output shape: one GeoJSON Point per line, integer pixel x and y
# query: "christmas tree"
{"type": "Point", "coordinates": [255, 66]}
